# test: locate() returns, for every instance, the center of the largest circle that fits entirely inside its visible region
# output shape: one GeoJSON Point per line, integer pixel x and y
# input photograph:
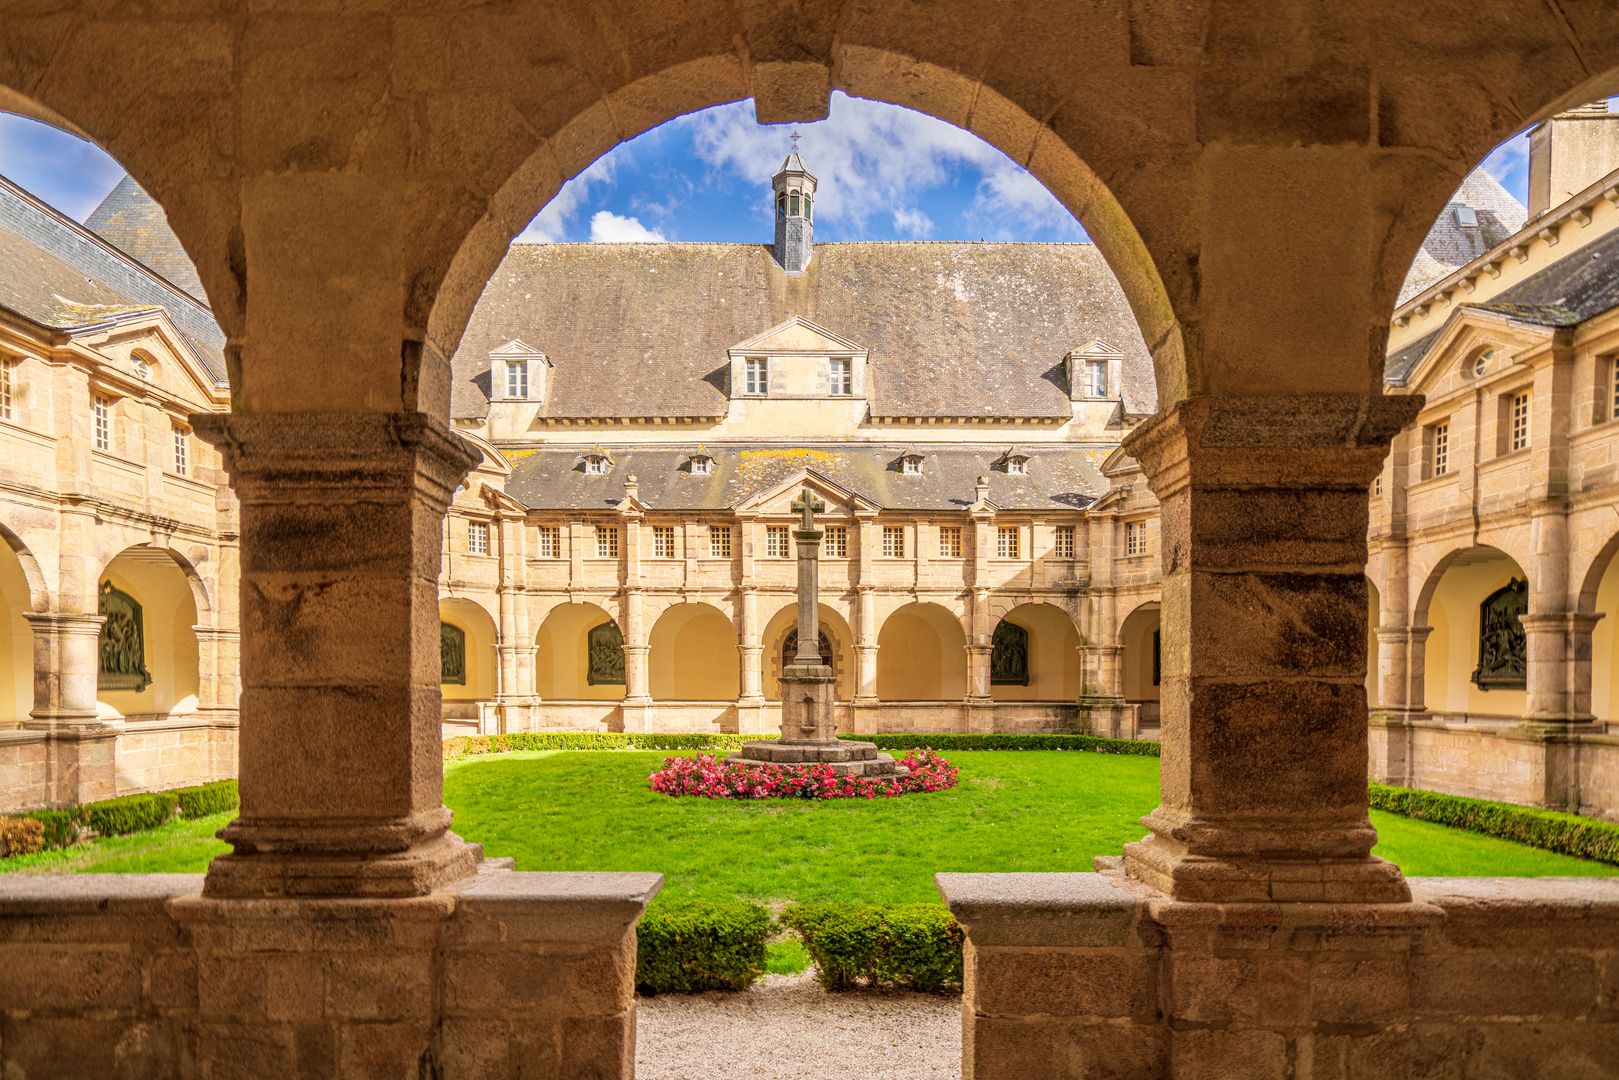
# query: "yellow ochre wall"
{"type": "Point", "coordinates": [169, 612]}
{"type": "Point", "coordinates": [476, 623]}
{"type": "Point", "coordinates": [693, 655]}
{"type": "Point", "coordinates": [1136, 638]}
{"type": "Point", "coordinates": [1054, 661]}
{"type": "Point", "coordinates": [921, 655]}
{"type": "Point", "coordinates": [1605, 647]}
{"type": "Point", "coordinates": [16, 641]}
{"type": "Point", "coordinates": [561, 655]}
{"type": "Point", "coordinates": [775, 635]}
{"type": "Point", "coordinates": [1452, 651]}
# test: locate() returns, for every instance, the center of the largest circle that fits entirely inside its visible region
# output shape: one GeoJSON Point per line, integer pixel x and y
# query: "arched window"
{"type": "Point", "coordinates": [793, 208]}
{"type": "Point", "coordinates": [781, 206]}
{"type": "Point", "coordinates": [789, 649]}
{"type": "Point", "coordinates": [806, 206]}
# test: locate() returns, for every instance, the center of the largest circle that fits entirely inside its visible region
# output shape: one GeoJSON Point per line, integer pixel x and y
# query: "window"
{"type": "Point", "coordinates": [1377, 487]}
{"type": "Point", "coordinates": [719, 541]}
{"type": "Point", "coordinates": [781, 206]}
{"type": "Point", "coordinates": [911, 465]}
{"type": "Point", "coordinates": [1481, 362]}
{"type": "Point", "coordinates": [477, 538]}
{"type": "Point", "coordinates": [1135, 538]}
{"type": "Point", "coordinates": [842, 376]}
{"type": "Point", "coordinates": [1096, 378]}
{"type": "Point", "coordinates": [792, 204]}
{"type": "Point", "coordinates": [837, 542]}
{"type": "Point", "coordinates": [1006, 542]}
{"type": "Point", "coordinates": [1520, 421]}
{"type": "Point", "coordinates": [607, 541]}
{"type": "Point", "coordinates": [775, 541]}
{"type": "Point", "coordinates": [1017, 466]}
{"type": "Point", "coordinates": [950, 542]}
{"type": "Point", "coordinates": [550, 542]}
{"type": "Point", "coordinates": [807, 201]}
{"type": "Point", "coordinates": [1466, 216]}
{"type": "Point", "coordinates": [893, 541]}
{"type": "Point", "coordinates": [182, 451]}
{"type": "Point", "coordinates": [517, 378]}
{"type": "Point", "coordinates": [5, 388]}
{"type": "Point", "coordinates": [663, 541]}
{"type": "Point", "coordinates": [702, 466]}
{"type": "Point", "coordinates": [1441, 448]}
{"type": "Point", "coordinates": [1064, 548]}
{"type": "Point", "coordinates": [103, 424]}
{"type": "Point", "coordinates": [758, 380]}
{"type": "Point", "coordinates": [596, 465]}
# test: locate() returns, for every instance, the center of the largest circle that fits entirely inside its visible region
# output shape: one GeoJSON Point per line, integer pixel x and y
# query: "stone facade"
{"type": "Point", "coordinates": [104, 486]}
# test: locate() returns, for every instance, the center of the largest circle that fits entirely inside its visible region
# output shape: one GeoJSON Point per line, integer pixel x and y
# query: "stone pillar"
{"type": "Point", "coordinates": [637, 705]}
{"type": "Point", "coordinates": [1264, 659]}
{"type": "Point", "coordinates": [750, 702]}
{"type": "Point", "coordinates": [1401, 652]}
{"type": "Point", "coordinates": [218, 660]}
{"type": "Point", "coordinates": [341, 768]}
{"type": "Point", "coordinates": [80, 751]}
{"type": "Point", "coordinates": [1558, 646]}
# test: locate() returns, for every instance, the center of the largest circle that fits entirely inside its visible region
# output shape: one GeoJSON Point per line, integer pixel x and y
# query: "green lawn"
{"type": "Point", "coordinates": [1029, 810]}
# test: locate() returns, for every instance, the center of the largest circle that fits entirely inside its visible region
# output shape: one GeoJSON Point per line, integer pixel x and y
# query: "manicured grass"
{"type": "Point", "coordinates": [1029, 810]}
{"type": "Point", "coordinates": [178, 847]}
{"type": "Point", "coordinates": [787, 956]}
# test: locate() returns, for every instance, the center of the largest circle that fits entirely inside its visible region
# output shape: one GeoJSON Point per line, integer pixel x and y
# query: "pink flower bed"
{"type": "Point", "coordinates": [710, 778]}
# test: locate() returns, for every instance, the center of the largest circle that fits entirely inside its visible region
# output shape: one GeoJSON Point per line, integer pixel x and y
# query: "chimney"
{"type": "Point", "coordinates": [1569, 153]}
{"type": "Point", "coordinates": [982, 488]}
{"type": "Point", "coordinates": [631, 487]}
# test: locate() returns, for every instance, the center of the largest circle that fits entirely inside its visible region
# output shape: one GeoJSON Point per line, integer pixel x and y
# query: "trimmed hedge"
{"type": "Point", "coordinates": [61, 826]}
{"type": "Point", "coordinates": [196, 802]}
{"type": "Point", "coordinates": [465, 745]}
{"type": "Point", "coordinates": [911, 945]}
{"type": "Point", "coordinates": [20, 836]}
{"type": "Point", "coordinates": [1566, 834]}
{"type": "Point", "coordinates": [1091, 743]}
{"type": "Point", "coordinates": [692, 946]}
{"type": "Point", "coordinates": [131, 813]}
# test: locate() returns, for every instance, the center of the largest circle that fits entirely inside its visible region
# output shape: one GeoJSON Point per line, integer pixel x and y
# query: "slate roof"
{"type": "Point", "coordinates": [132, 221]}
{"type": "Point", "coordinates": [1450, 246]}
{"type": "Point", "coordinates": [952, 328]}
{"type": "Point", "coordinates": [1059, 478]}
{"type": "Point", "coordinates": [1397, 365]}
{"type": "Point", "coordinates": [59, 275]}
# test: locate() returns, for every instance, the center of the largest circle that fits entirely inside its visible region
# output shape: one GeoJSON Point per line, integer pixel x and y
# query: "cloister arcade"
{"type": "Point", "coordinates": [346, 183]}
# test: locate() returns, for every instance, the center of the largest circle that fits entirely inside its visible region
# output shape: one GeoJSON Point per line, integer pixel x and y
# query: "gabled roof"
{"type": "Point", "coordinates": [133, 222]}
{"type": "Point", "coordinates": [797, 334]}
{"type": "Point", "coordinates": [806, 478]}
{"type": "Point", "coordinates": [517, 350]}
{"type": "Point", "coordinates": [1449, 244]}
{"type": "Point", "coordinates": [950, 329]}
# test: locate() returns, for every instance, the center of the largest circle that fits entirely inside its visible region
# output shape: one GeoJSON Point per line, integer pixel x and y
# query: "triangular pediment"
{"type": "Point", "coordinates": [779, 497]}
{"type": "Point", "coordinates": [517, 349]}
{"type": "Point", "coordinates": [1096, 348]}
{"type": "Point", "coordinates": [1468, 330]}
{"type": "Point", "coordinates": [150, 331]}
{"type": "Point", "coordinates": [797, 335]}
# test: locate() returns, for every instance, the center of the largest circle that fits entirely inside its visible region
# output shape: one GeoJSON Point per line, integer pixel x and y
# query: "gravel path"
{"type": "Point", "coordinates": [785, 1027]}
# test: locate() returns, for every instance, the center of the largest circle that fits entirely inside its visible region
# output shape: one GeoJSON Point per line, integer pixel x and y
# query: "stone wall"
{"type": "Point", "coordinates": [1091, 974]}
{"type": "Point", "coordinates": [160, 754]}
{"type": "Point", "coordinates": [37, 768]}
{"type": "Point", "coordinates": [1502, 762]}
{"type": "Point", "coordinates": [139, 975]}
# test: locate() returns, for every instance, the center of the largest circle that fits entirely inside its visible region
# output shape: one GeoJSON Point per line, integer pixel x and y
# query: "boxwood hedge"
{"type": "Point", "coordinates": [691, 946]}
{"type": "Point", "coordinates": [205, 799]}
{"type": "Point", "coordinates": [464, 745]}
{"type": "Point", "coordinates": [883, 945]}
{"type": "Point", "coordinates": [1567, 834]}
{"type": "Point", "coordinates": [131, 813]}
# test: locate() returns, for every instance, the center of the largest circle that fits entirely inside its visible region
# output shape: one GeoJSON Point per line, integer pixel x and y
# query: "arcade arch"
{"type": "Point", "coordinates": [149, 652]}
{"type": "Point", "coordinates": [784, 624]}
{"type": "Point", "coordinates": [477, 639]}
{"type": "Point", "coordinates": [562, 655]}
{"type": "Point", "coordinates": [1141, 637]}
{"type": "Point", "coordinates": [693, 656]}
{"type": "Point", "coordinates": [1450, 602]}
{"type": "Point", "coordinates": [1374, 615]}
{"type": "Point", "coordinates": [1053, 662]}
{"type": "Point", "coordinates": [1600, 596]}
{"type": "Point", "coordinates": [921, 655]}
{"type": "Point", "coordinates": [18, 594]}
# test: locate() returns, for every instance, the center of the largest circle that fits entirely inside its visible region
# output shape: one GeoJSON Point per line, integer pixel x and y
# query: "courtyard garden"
{"type": "Point", "coordinates": [1011, 811]}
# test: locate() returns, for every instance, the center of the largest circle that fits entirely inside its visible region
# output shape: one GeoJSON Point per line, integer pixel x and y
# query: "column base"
{"type": "Point", "coordinates": [333, 858]}
{"type": "Point", "coordinates": [867, 715]}
{"type": "Point", "coordinates": [1267, 863]}
{"type": "Point", "coordinates": [980, 716]}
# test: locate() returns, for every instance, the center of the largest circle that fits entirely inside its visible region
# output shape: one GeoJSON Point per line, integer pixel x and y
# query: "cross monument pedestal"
{"type": "Point", "coordinates": [809, 687]}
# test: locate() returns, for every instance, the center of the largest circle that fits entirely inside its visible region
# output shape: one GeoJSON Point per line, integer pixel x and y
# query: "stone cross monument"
{"type": "Point", "coordinates": [809, 686]}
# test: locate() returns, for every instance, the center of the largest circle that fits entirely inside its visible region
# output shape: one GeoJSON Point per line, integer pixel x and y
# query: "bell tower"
{"type": "Point", "coordinates": [793, 188]}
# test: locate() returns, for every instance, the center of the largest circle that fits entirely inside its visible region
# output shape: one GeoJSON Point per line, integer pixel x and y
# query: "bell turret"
{"type": "Point", "coordinates": [794, 190]}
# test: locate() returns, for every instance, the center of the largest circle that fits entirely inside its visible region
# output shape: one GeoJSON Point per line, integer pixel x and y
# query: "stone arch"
{"type": "Point", "coordinates": [1142, 658]}
{"type": "Point", "coordinates": [833, 625]}
{"type": "Point", "coordinates": [193, 577]}
{"type": "Point", "coordinates": [1054, 668]}
{"type": "Point", "coordinates": [22, 590]}
{"type": "Point", "coordinates": [561, 655]}
{"type": "Point", "coordinates": [1449, 603]}
{"type": "Point", "coordinates": [480, 636]}
{"type": "Point", "coordinates": [168, 590]}
{"type": "Point", "coordinates": [692, 655]}
{"type": "Point", "coordinates": [1374, 616]}
{"type": "Point", "coordinates": [921, 655]}
{"type": "Point", "coordinates": [1599, 595]}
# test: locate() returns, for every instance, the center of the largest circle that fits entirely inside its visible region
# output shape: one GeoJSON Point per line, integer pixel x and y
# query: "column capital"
{"type": "Point", "coordinates": [1337, 440]}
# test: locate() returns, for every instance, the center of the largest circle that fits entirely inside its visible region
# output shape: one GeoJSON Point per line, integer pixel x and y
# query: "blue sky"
{"type": "Point", "coordinates": [885, 173]}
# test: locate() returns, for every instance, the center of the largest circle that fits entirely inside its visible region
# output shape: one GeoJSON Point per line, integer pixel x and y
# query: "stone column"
{"type": "Point", "coordinates": [1264, 659]}
{"type": "Point", "coordinates": [341, 767]}
{"type": "Point", "coordinates": [1401, 652]}
{"type": "Point", "coordinates": [80, 751]}
{"type": "Point", "coordinates": [1558, 647]}
{"type": "Point", "coordinates": [218, 652]}
{"type": "Point", "coordinates": [637, 698]}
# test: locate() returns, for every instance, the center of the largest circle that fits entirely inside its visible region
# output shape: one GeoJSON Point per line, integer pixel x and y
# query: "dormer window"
{"type": "Point", "coordinates": [517, 378]}
{"type": "Point", "coordinates": [596, 465]}
{"type": "Point", "coordinates": [1017, 466]}
{"type": "Point", "coordinates": [1466, 217]}
{"type": "Point", "coordinates": [758, 376]}
{"type": "Point", "coordinates": [842, 372]}
{"type": "Point", "coordinates": [1096, 378]}
{"type": "Point", "coordinates": [701, 465]}
{"type": "Point", "coordinates": [911, 465]}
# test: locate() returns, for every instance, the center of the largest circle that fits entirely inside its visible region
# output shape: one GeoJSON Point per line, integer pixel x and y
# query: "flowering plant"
{"type": "Point", "coordinates": [708, 777]}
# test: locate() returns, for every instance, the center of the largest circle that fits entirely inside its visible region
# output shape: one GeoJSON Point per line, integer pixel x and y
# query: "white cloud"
{"type": "Point", "coordinates": [874, 158]}
{"type": "Point", "coordinates": [913, 223]}
{"type": "Point", "coordinates": [551, 224]}
{"type": "Point", "coordinates": [607, 227]}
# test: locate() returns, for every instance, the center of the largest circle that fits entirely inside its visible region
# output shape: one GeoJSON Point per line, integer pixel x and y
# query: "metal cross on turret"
{"type": "Point", "coordinates": [810, 506]}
